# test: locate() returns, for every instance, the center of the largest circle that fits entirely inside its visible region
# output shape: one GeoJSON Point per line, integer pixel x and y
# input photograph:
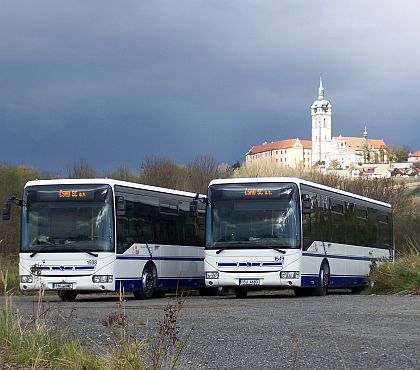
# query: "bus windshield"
{"type": "Point", "coordinates": [64, 218]}
{"type": "Point", "coordinates": [262, 215]}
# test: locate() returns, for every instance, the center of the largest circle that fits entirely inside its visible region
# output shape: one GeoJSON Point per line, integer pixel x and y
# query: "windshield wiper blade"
{"type": "Point", "coordinates": [88, 252]}
{"type": "Point", "coordinates": [77, 249]}
{"type": "Point", "coordinates": [220, 250]}
{"type": "Point", "coordinates": [280, 250]}
{"type": "Point", "coordinates": [39, 250]}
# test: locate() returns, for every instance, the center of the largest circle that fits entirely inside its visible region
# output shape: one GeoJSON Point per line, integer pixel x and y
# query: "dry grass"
{"type": "Point", "coordinates": [399, 277]}
{"type": "Point", "coordinates": [38, 343]}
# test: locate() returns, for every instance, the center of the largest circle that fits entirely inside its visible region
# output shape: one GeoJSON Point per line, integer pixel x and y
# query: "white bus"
{"type": "Point", "coordinates": [290, 233]}
{"type": "Point", "coordinates": [104, 235]}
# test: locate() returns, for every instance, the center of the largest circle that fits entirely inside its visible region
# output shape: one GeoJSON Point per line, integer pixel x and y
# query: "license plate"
{"type": "Point", "coordinates": [62, 285]}
{"type": "Point", "coordinates": [249, 281]}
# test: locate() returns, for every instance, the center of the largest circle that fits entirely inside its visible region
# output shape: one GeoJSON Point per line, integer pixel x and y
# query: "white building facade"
{"type": "Point", "coordinates": [324, 150]}
{"type": "Point", "coordinates": [321, 127]}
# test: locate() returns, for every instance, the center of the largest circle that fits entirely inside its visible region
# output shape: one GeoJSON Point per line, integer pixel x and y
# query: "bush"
{"type": "Point", "coordinates": [400, 277]}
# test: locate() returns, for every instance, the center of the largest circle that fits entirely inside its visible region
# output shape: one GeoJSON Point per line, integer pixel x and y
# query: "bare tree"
{"type": "Point", "coordinates": [163, 172]}
{"type": "Point", "coordinates": [122, 173]}
{"type": "Point", "coordinates": [80, 170]}
{"type": "Point", "coordinates": [201, 171]}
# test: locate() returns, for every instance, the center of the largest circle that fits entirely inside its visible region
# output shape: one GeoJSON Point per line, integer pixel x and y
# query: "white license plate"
{"type": "Point", "coordinates": [249, 281]}
{"type": "Point", "coordinates": [62, 285]}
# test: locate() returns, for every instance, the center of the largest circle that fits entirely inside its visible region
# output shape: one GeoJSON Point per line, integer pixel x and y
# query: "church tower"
{"type": "Point", "coordinates": [321, 126]}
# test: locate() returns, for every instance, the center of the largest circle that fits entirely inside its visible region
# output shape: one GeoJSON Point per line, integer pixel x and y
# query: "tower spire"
{"type": "Point", "coordinates": [365, 134]}
{"type": "Point", "coordinates": [321, 89]}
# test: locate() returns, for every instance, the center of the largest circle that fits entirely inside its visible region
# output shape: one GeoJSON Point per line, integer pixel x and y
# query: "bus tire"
{"type": "Point", "coordinates": [148, 282]}
{"type": "Point", "coordinates": [67, 295]}
{"type": "Point", "coordinates": [324, 280]}
{"type": "Point", "coordinates": [241, 292]}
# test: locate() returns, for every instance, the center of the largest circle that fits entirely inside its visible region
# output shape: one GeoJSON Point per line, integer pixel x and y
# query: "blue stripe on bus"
{"type": "Point", "coordinates": [248, 264]}
{"type": "Point", "coordinates": [148, 258]}
{"type": "Point", "coordinates": [134, 284]}
{"type": "Point", "coordinates": [336, 281]}
{"type": "Point", "coordinates": [358, 258]}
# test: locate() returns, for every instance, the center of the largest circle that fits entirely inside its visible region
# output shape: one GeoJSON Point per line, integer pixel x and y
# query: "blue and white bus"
{"type": "Point", "coordinates": [104, 235]}
{"type": "Point", "coordinates": [290, 233]}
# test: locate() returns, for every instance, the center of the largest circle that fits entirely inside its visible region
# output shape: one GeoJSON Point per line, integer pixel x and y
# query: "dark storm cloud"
{"type": "Point", "coordinates": [113, 82]}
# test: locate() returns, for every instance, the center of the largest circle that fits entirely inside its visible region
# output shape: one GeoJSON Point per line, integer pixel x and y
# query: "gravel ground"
{"type": "Point", "coordinates": [264, 331]}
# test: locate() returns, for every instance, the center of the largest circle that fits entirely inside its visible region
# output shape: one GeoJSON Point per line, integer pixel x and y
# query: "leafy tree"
{"type": "Point", "coordinates": [397, 154]}
{"type": "Point", "coordinates": [335, 165]}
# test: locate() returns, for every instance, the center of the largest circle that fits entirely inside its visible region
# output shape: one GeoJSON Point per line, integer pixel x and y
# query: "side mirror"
{"type": "Point", "coordinates": [306, 205]}
{"type": "Point", "coordinates": [120, 205]}
{"type": "Point", "coordinates": [6, 211]}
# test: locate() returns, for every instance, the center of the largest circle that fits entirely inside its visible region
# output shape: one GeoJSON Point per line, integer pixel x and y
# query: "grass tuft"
{"type": "Point", "coordinates": [399, 277]}
{"type": "Point", "coordinates": [35, 343]}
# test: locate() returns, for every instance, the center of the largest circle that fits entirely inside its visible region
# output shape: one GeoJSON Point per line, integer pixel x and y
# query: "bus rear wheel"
{"type": "Point", "coordinates": [66, 295]}
{"type": "Point", "coordinates": [148, 282]}
{"type": "Point", "coordinates": [241, 292]}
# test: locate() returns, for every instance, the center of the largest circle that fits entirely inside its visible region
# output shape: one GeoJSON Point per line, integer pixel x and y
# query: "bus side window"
{"type": "Point", "coordinates": [309, 221]}
{"type": "Point", "coordinates": [337, 219]}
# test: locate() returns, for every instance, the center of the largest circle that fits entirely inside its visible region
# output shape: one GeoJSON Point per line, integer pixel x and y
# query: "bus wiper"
{"type": "Point", "coordinates": [40, 249]}
{"type": "Point", "coordinates": [220, 250]}
{"type": "Point", "coordinates": [88, 252]}
{"type": "Point", "coordinates": [280, 250]}
{"type": "Point", "coordinates": [77, 249]}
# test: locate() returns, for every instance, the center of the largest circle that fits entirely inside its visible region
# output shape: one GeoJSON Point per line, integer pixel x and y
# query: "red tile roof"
{"type": "Point", "coordinates": [415, 154]}
{"type": "Point", "coordinates": [358, 142]}
{"type": "Point", "coordinates": [282, 144]}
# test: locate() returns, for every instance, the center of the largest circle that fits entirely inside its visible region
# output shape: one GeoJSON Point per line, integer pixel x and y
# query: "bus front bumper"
{"type": "Point", "coordinates": [258, 280]}
{"type": "Point", "coordinates": [79, 283]}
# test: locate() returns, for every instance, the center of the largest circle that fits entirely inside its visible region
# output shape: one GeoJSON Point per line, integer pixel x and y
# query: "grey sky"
{"type": "Point", "coordinates": [112, 82]}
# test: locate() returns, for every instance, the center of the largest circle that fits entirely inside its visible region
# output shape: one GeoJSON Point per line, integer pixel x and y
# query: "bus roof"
{"type": "Point", "coordinates": [112, 183]}
{"type": "Point", "coordinates": [297, 181]}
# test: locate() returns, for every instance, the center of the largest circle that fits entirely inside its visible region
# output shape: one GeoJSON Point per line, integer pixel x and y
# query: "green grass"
{"type": "Point", "coordinates": [399, 277]}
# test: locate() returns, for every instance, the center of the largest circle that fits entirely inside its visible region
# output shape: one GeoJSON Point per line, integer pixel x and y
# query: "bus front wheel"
{"type": "Point", "coordinates": [324, 280]}
{"type": "Point", "coordinates": [148, 282]}
{"type": "Point", "coordinates": [241, 292]}
{"type": "Point", "coordinates": [67, 295]}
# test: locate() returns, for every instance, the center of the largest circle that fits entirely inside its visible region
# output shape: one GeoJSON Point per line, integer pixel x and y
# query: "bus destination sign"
{"type": "Point", "coordinates": [257, 193]}
{"type": "Point", "coordinates": [71, 194]}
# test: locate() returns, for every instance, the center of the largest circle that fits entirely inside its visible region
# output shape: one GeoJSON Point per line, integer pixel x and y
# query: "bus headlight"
{"type": "Point", "coordinates": [26, 279]}
{"type": "Point", "coordinates": [102, 278]}
{"type": "Point", "coordinates": [289, 274]}
{"type": "Point", "coordinates": [212, 275]}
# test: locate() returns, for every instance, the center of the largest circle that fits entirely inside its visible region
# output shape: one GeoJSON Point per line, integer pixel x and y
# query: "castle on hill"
{"type": "Point", "coordinates": [339, 152]}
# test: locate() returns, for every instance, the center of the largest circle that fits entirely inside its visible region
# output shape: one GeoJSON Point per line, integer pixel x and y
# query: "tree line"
{"type": "Point", "coordinates": [195, 177]}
